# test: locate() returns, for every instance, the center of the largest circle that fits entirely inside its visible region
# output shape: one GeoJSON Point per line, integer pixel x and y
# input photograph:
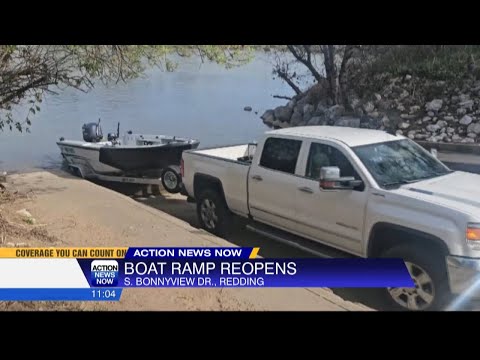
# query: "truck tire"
{"type": "Point", "coordinates": [171, 181]}
{"type": "Point", "coordinates": [429, 273]}
{"type": "Point", "coordinates": [213, 214]}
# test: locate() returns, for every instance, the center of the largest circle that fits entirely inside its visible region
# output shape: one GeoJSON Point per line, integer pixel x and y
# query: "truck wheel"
{"type": "Point", "coordinates": [213, 213]}
{"type": "Point", "coordinates": [429, 273]}
{"type": "Point", "coordinates": [171, 181]}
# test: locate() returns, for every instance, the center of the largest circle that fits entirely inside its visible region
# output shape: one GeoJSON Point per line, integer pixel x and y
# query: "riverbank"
{"type": "Point", "coordinates": [69, 211]}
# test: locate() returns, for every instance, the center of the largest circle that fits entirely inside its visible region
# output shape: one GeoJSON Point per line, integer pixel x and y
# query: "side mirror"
{"type": "Point", "coordinates": [330, 179]}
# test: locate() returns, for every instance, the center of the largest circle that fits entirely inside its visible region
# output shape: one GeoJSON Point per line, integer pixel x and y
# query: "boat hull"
{"type": "Point", "coordinates": [144, 158]}
{"type": "Point", "coordinates": [86, 157]}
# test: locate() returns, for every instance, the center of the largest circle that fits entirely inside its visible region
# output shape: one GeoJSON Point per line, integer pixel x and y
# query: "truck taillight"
{"type": "Point", "coordinates": [182, 169]}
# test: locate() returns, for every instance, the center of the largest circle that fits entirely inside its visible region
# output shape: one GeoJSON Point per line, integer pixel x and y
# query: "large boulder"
{"type": "Point", "coordinates": [268, 117]}
{"type": "Point", "coordinates": [334, 112]}
{"type": "Point", "coordinates": [317, 120]}
{"type": "Point", "coordinates": [296, 118]}
{"type": "Point", "coordinates": [348, 122]}
{"type": "Point", "coordinates": [466, 120]}
{"type": "Point", "coordinates": [474, 128]}
{"type": "Point", "coordinates": [434, 105]}
{"type": "Point", "coordinates": [283, 113]}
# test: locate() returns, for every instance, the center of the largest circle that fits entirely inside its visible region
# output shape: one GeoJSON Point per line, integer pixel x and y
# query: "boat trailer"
{"type": "Point", "coordinates": [170, 178]}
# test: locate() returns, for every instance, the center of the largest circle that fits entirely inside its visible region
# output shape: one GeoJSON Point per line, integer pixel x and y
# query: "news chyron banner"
{"type": "Point", "coordinates": [101, 274]}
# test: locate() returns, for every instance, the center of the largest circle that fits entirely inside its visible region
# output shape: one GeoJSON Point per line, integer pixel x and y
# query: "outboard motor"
{"type": "Point", "coordinates": [92, 132]}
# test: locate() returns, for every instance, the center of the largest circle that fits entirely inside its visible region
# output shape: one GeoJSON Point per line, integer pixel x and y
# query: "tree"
{"type": "Point", "coordinates": [328, 65]}
{"type": "Point", "coordinates": [29, 72]}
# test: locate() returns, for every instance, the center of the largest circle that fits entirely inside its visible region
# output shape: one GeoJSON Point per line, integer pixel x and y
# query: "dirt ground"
{"type": "Point", "coordinates": [57, 209]}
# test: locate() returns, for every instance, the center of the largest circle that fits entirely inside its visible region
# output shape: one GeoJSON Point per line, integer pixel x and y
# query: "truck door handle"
{"type": "Point", "coordinates": [306, 190]}
{"type": "Point", "coordinates": [257, 177]}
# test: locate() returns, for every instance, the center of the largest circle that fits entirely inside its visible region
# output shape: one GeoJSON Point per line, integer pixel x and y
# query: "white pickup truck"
{"type": "Point", "coordinates": [362, 192]}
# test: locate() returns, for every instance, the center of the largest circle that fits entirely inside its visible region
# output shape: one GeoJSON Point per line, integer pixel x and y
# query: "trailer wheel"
{"type": "Point", "coordinates": [171, 181]}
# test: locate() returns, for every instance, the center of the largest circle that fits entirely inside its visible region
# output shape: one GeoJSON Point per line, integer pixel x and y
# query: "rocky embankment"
{"type": "Point", "coordinates": [434, 111]}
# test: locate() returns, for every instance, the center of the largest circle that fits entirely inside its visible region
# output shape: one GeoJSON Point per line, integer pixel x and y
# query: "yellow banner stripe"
{"type": "Point", "coordinates": [254, 253]}
{"type": "Point", "coordinates": [85, 253]}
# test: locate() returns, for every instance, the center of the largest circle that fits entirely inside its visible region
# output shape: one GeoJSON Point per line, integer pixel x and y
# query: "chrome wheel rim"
{"type": "Point", "coordinates": [421, 296]}
{"type": "Point", "coordinates": [208, 214]}
{"type": "Point", "coordinates": [170, 180]}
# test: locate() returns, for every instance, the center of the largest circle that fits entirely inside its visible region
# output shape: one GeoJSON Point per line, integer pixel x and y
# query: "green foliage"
{"type": "Point", "coordinates": [28, 72]}
{"type": "Point", "coordinates": [434, 62]}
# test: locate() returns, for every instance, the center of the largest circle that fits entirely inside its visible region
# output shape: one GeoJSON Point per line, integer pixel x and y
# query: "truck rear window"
{"type": "Point", "coordinates": [280, 154]}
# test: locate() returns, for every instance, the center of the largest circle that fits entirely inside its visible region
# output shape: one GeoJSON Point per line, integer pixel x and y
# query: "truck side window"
{"type": "Point", "coordinates": [321, 155]}
{"type": "Point", "coordinates": [280, 154]}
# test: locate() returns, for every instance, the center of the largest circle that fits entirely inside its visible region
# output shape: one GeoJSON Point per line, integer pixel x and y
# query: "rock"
{"type": "Point", "coordinates": [283, 113]}
{"type": "Point", "coordinates": [433, 128]}
{"type": "Point", "coordinates": [474, 128]}
{"type": "Point", "coordinates": [367, 122]}
{"type": "Point", "coordinates": [461, 111]}
{"type": "Point", "coordinates": [247, 108]}
{"type": "Point", "coordinates": [432, 139]}
{"type": "Point", "coordinates": [449, 118]}
{"type": "Point", "coordinates": [407, 116]}
{"type": "Point", "coordinates": [414, 108]}
{"type": "Point", "coordinates": [354, 102]}
{"type": "Point", "coordinates": [316, 120]}
{"type": "Point", "coordinates": [400, 107]}
{"type": "Point", "coordinates": [307, 117]}
{"type": "Point", "coordinates": [308, 108]}
{"type": "Point", "coordinates": [468, 140]}
{"type": "Point", "coordinates": [426, 119]}
{"type": "Point", "coordinates": [268, 117]}
{"type": "Point", "coordinates": [455, 99]}
{"type": "Point", "coordinates": [456, 138]}
{"type": "Point", "coordinates": [434, 105]}
{"type": "Point", "coordinates": [291, 104]}
{"type": "Point", "coordinates": [464, 97]}
{"type": "Point", "coordinates": [348, 122]}
{"type": "Point", "coordinates": [412, 132]}
{"type": "Point", "coordinates": [3, 176]}
{"type": "Point", "coordinates": [399, 132]}
{"type": "Point", "coordinates": [276, 123]}
{"type": "Point", "coordinates": [334, 112]}
{"type": "Point", "coordinates": [431, 114]}
{"type": "Point", "coordinates": [467, 104]}
{"type": "Point", "coordinates": [359, 112]}
{"type": "Point", "coordinates": [411, 136]}
{"type": "Point", "coordinates": [368, 107]}
{"type": "Point", "coordinates": [441, 123]}
{"type": "Point", "coordinates": [284, 124]}
{"type": "Point", "coordinates": [442, 130]}
{"type": "Point", "coordinates": [385, 121]}
{"type": "Point", "coordinates": [404, 125]}
{"type": "Point", "coordinates": [404, 94]}
{"type": "Point", "coordinates": [466, 120]}
{"type": "Point", "coordinates": [447, 139]}
{"type": "Point", "coordinates": [434, 118]}
{"type": "Point", "coordinates": [296, 118]}
{"type": "Point", "coordinates": [408, 77]}
{"type": "Point", "coordinates": [24, 213]}
{"type": "Point", "coordinates": [472, 135]}
{"type": "Point", "coordinates": [320, 110]}
{"type": "Point", "coordinates": [375, 114]}
{"type": "Point", "coordinates": [420, 136]}
{"type": "Point", "coordinates": [378, 97]}
{"type": "Point", "coordinates": [419, 122]}
{"type": "Point", "coordinates": [450, 130]}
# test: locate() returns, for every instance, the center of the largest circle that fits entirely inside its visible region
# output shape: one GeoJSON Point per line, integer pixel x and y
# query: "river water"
{"type": "Point", "coordinates": [202, 101]}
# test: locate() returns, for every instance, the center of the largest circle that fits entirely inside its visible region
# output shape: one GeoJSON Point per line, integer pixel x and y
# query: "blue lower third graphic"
{"type": "Point", "coordinates": [86, 294]}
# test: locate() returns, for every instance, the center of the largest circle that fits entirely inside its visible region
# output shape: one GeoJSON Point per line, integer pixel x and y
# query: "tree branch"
{"type": "Point", "coordinates": [307, 62]}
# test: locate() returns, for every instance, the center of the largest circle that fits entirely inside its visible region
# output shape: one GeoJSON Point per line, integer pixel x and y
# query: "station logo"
{"type": "Point", "coordinates": [104, 273]}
